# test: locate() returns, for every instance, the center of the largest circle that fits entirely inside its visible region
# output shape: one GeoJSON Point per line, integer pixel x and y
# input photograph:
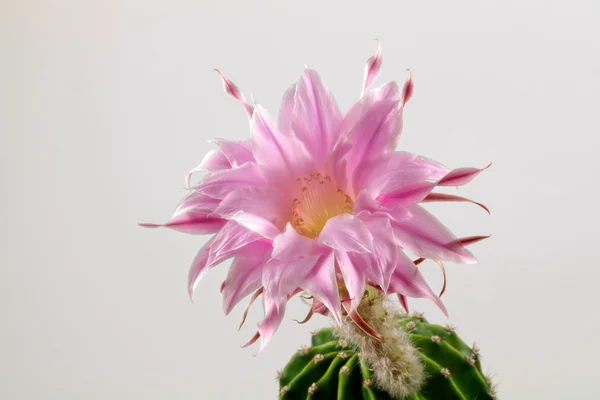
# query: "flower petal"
{"type": "Point", "coordinates": [354, 278]}
{"type": "Point", "coordinates": [461, 176]}
{"type": "Point", "coordinates": [274, 311]}
{"type": "Point", "coordinates": [316, 116]}
{"type": "Point", "coordinates": [256, 224]}
{"type": "Point", "coordinates": [373, 124]}
{"type": "Point", "coordinates": [347, 233]}
{"type": "Point", "coordinates": [200, 266]}
{"type": "Point", "coordinates": [220, 183]}
{"type": "Point", "coordinates": [229, 241]}
{"type": "Point", "coordinates": [321, 283]}
{"type": "Point", "coordinates": [237, 153]}
{"type": "Point", "coordinates": [385, 249]}
{"type": "Point", "coordinates": [233, 91]}
{"type": "Point", "coordinates": [407, 194]}
{"type": "Point", "coordinates": [214, 160]}
{"type": "Point", "coordinates": [282, 277]}
{"type": "Point", "coordinates": [391, 171]}
{"type": "Point", "coordinates": [281, 157]}
{"type": "Point", "coordinates": [408, 89]}
{"type": "Point", "coordinates": [192, 223]}
{"type": "Point", "coordinates": [425, 236]}
{"type": "Point", "coordinates": [286, 111]}
{"type": "Point", "coordinates": [431, 197]}
{"type": "Point", "coordinates": [372, 68]}
{"type": "Point", "coordinates": [244, 276]}
{"type": "Point", "coordinates": [407, 280]}
{"type": "Point", "coordinates": [290, 245]}
{"type": "Point", "coordinates": [264, 202]}
{"type": "Point", "coordinates": [196, 202]}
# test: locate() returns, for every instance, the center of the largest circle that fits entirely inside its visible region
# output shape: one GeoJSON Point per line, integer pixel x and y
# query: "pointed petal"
{"type": "Point", "coordinates": [354, 278]}
{"type": "Point", "coordinates": [385, 249]}
{"type": "Point", "coordinates": [407, 280]}
{"type": "Point", "coordinates": [237, 153]}
{"type": "Point", "coordinates": [274, 312]}
{"type": "Point", "coordinates": [403, 302]}
{"type": "Point", "coordinates": [290, 245]}
{"type": "Point", "coordinates": [281, 157]}
{"type": "Point", "coordinates": [200, 266]}
{"type": "Point", "coordinates": [229, 241]}
{"type": "Point", "coordinates": [407, 90]}
{"type": "Point", "coordinates": [214, 160]}
{"type": "Point", "coordinates": [282, 277]}
{"type": "Point", "coordinates": [255, 296]}
{"type": "Point", "coordinates": [451, 197]}
{"type": "Point", "coordinates": [461, 176]}
{"type": "Point", "coordinates": [316, 116]}
{"type": "Point", "coordinates": [372, 68]}
{"type": "Point", "coordinates": [191, 223]}
{"type": "Point", "coordinates": [373, 124]}
{"type": "Point", "coordinates": [264, 202]}
{"type": "Point", "coordinates": [322, 284]}
{"type": "Point", "coordinates": [196, 202]}
{"type": "Point", "coordinates": [220, 183]}
{"type": "Point", "coordinates": [425, 236]}
{"type": "Point", "coordinates": [286, 111]}
{"type": "Point", "coordinates": [394, 170]}
{"type": "Point", "coordinates": [256, 224]}
{"type": "Point", "coordinates": [244, 276]}
{"type": "Point", "coordinates": [407, 195]}
{"type": "Point", "coordinates": [347, 233]}
{"type": "Point", "coordinates": [233, 91]}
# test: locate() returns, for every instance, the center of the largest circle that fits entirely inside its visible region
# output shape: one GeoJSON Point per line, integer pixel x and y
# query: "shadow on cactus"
{"type": "Point", "coordinates": [334, 367]}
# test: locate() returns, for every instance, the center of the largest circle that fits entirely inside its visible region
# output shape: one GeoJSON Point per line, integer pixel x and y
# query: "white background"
{"type": "Point", "coordinates": [105, 105]}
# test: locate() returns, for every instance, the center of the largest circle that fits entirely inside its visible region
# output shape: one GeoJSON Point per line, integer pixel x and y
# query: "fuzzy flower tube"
{"type": "Point", "coordinates": [321, 203]}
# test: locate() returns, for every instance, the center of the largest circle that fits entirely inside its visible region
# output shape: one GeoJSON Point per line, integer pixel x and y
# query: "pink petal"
{"type": "Point", "coordinates": [372, 68]}
{"type": "Point", "coordinates": [244, 276]}
{"type": "Point", "coordinates": [274, 312]}
{"type": "Point", "coordinates": [451, 197]}
{"type": "Point", "coordinates": [200, 266]}
{"type": "Point", "coordinates": [385, 250]}
{"type": "Point", "coordinates": [425, 236]}
{"type": "Point", "coordinates": [407, 280]}
{"type": "Point", "coordinates": [373, 125]}
{"type": "Point", "coordinates": [321, 283]}
{"type": "Point", "coordinates": [214, 160]}
{"type": "Point", "coordinates": [256, 224]}
{"type": "Point", "coordinates": [282, 158]}
{"type": "Point", "coordinates": [282, 277]}
{"type": "Point", "coordinates": [408, 89]}
{"type": "Point", "coordinates": [407, 195]}
{"type": "Point", "coordinates": [286, 111]}
{"type": "Point", "coordinates": [197, 203]}
{"type": "Point", "coordinates": [392, 171]}
{"type": "Point", "coordinates": [345, 232]}
{"type": "Point", "coordinates": [316, 116]}
{"type": "Point", "coordinates": [220, 183]}
{"type": "Point", "coordinates": [264, 202]}
{"type": "Point", "coordinates": [290, 245]}
{"type": "Point", "coordinates": [461, 176]}
{"type": "Point", "coordinates": [233, 91]}
{"type": "Point", "coordinates": [354, 278]}
{"type": "Point", "coordinates": [229, 241]}
{"type": "Point", "coordinates": [192, 223]}
{"type": "Point", "coordinates": [403, 302]}
{"type": "Point", "coordinates": [237, 153]}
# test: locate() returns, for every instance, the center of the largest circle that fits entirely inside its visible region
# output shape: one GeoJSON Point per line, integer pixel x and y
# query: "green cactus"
{"type": "Point", "coordinates": [332, 368]}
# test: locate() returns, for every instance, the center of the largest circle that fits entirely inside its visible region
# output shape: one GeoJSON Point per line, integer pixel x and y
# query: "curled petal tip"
{"type": "Point", "coordinates": [408, 89]}
{"type": "Point", "coordinates": [372, 68]}
{"type": "Point", "coordinates": [251, 341]}
{"type": "Point", "coordinates": [232, 90]}
{"type": "Point", "coordinates": [149, 225]}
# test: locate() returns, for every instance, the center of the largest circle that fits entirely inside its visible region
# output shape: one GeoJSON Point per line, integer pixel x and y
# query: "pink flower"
{"type": "Point", "coordinates": [320, 202]}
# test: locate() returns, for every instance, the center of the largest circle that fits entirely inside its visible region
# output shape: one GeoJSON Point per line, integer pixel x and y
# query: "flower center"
{"type": "Point", "coordinates": [320, 200]}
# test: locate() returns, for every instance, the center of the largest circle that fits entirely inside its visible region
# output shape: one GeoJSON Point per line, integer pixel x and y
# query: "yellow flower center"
{"type": "Point", "coordinates": [320, 200]}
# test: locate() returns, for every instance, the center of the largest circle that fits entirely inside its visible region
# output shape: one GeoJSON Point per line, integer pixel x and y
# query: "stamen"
{"type": "Point", "coordinates": [320, 200]}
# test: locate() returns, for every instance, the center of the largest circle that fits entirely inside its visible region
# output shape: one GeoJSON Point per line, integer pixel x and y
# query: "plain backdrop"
{"type": "Point", "coordinates": [105, 105]}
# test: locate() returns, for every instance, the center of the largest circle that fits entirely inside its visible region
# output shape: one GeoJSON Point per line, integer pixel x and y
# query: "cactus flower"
{"type": "Point", "coordinates": [320, 202]}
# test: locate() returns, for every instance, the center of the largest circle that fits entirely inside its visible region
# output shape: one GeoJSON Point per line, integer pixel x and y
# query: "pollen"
{"type": "Point", "coordinates": [320, 199]}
